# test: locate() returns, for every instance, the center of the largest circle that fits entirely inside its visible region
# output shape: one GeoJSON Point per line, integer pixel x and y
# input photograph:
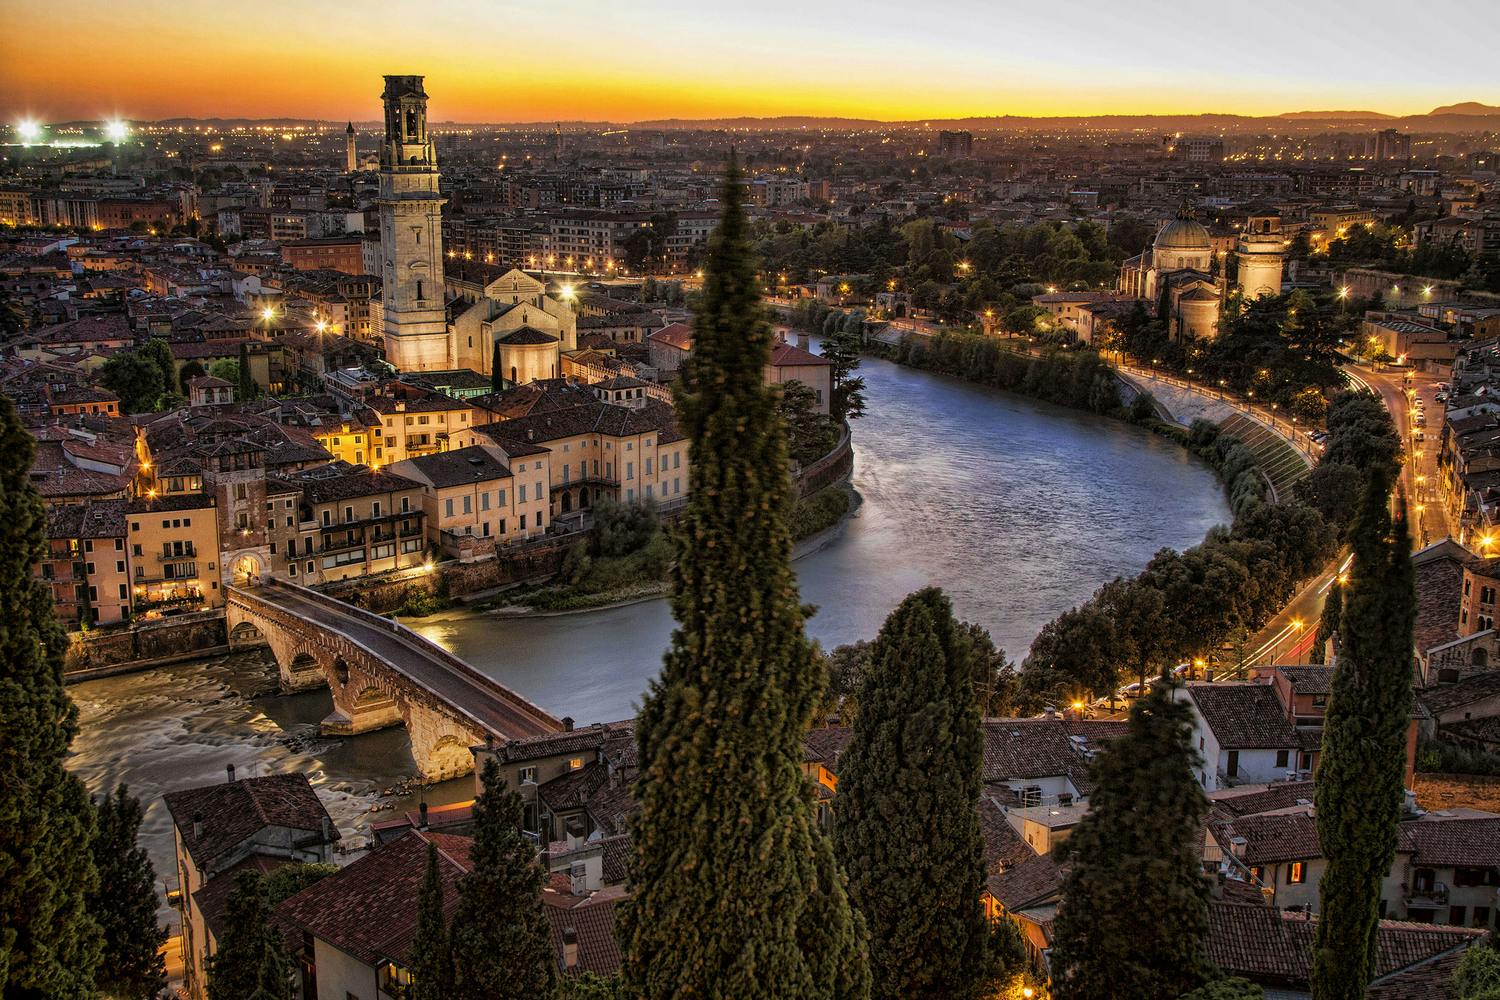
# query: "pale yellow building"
{"type": "Point", "coordinates": [480, 496]}
{"type": "Point", "coordinates": [174, 553]}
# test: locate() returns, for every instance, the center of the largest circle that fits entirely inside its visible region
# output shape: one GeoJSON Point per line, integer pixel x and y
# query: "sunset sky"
{"type": "Point", "coordinates": [627, 60]}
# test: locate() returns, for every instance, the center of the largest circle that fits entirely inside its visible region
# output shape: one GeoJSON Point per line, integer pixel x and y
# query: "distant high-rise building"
{"type": "Point", "coordinates": [1196, 148]}
{"type": "Point", "coordinates": [956, 144]}
{"type": "Point", "coordinates": [351, 152]}
{"type": "Point", "coordinates": [411, 234]}
{"type": "Point", "coordinates": [1390, 144]}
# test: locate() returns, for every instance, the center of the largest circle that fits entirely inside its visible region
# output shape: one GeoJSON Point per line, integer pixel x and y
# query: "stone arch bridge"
{"type": "Point", "coordinates": [381, 673]}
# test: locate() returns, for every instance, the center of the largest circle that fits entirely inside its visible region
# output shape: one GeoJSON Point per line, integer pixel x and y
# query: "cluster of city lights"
{"type": "Point", "coordinates": [29, 131]}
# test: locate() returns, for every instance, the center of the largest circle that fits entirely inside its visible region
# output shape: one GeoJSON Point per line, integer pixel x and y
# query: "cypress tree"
{"type": "Point", "coordinates": [124, 903]}
{"type": "Point", "coordinates": [500, 941]}
{"type": "Point", "coordinates": [908, 799]}
{"type": "Point", "coordinates": [431, 961]}
{"type": "Point", "coordinates": [251, 962]}
{"type": "Point", "coordinates": [736, 893]}
{"type": "Point", "coordinates": [49, 944]}
{"type": "Point", "coordinates": [1134, 920]}
{"type": "Point", "coordinates": [1361, 774]}
{"type": "Point", "coordinates": [497, 377]}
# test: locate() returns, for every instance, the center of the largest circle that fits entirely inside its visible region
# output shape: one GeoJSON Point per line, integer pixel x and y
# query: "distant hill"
{"type": "Point", "coordinates": [1343, 116]}
{"type": "Point", "coordinates": [1466, 108]}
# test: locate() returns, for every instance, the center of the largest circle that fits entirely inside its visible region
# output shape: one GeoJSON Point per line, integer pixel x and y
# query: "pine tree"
{"type": "Point", "coordinates": [1361, 776]}
{"type": "Point", "coordinates": [431, 962]}
{"type": "Point", "coordinates": [908, 800]}
{"type": "Point", "coordinates": [49, 944]}
{"type": "Point", "coordinates": [501, 944]}
{"type": "Point", "coordinates": [124, 903]}
{"type": "Point", "coordinates": [735, 889]}
{"type": "Point", "coordinates": [1134, 920]}
{"type": "Point", "coordinates": [251, 962]}
{"type": "Point", "coordinates": [841, 348]}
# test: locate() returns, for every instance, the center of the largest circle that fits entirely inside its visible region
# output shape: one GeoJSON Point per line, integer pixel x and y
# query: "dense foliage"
{"type": "Point", "coordinates": [1184, 605]}
{"type": "Point", "coordinates": [500, 940]}
{"type": "Point", "coordinates": [250, 962]}
{"type": "Point", "coordinates": [908, 799]}
{"type": "Point", "coordinates": [1362, 769]}
{"type": "Point", "coordinates": [1137, 851]}
{"type": "Point", "coordinates": [735, 891]}
{"type": "Point", "coordinates": [49, 943]}
{"type": "Point", "coordinates": [1075, 378]}
{"type": "Point", "coordinates": [131, 966]}
{"type": "Point", "coordinates": [1478, 974]}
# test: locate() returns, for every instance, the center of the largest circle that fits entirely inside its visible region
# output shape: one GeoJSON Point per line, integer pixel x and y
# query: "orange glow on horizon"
{"type": "Point", "coordinates": [591, 61]}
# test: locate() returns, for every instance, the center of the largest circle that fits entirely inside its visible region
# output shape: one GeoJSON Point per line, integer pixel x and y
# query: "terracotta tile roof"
{"type": "Point", "coordinates": [594, 417]}
{"type": "Point", "coordinates": [1032, 748]}
{"type": "Point", "coordinates": [234, 811]}
{"type": "Point", "coordinates": [1475, 687]}
{"type": "Point", "coordinates": [1243, 716]}
{"type": "Point", "coordinates": [1274, 948]}
{"type": "Point", "coordinates": [369, 909]}
{"type": "Point", "coordinates": [792, 356]}
{"type": "Point", "coordinates": [592, 921]}
{"type": "Point", "coordinates": [571, 789]}
{"type": "Point", "coordinates": [678, 335]}
{"type": "Point", "coordinates": [454, 468]}
{"type": "Point", "coordinates": [1271, 838]}
{"type": "Point", "coordinates": [825, 744]}
{"type": "Point", "coordinates": [1034, 881]}
{"type": "Point", "coordinates": [588, 738]}
{"type": "Point", "coordinates": [1465, 840]}
{"type": "Point", "coordinates": [97, 519]}
{"type": "Point", "coordinates": [1308, 679]}
{"type": "Point", "coordinates": [1249, 799]}
{"type": "Point", "coordinates": [1440, 574]}
{"type": "Point", "coordinates": [1485, 731]}
{"type": "Point", "coordinates": [1003, 845]}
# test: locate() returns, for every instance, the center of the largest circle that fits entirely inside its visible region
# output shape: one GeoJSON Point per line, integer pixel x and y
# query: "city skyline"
{"type": "Point", "coordinates": [666, 59]}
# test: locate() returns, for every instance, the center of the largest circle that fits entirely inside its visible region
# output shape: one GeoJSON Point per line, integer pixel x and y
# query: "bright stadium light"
{"type": "Point", "coordinates": [28, 130]}
{"type": "Point", "coordinates": [116, 130]}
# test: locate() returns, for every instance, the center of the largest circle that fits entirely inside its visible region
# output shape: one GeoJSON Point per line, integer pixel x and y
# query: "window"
{"type": "Point", "coordinates": [521, 493]}
{"type": "Point", "coordinates": [375, 509]}
{"type": "Point", "coordinates": [528, 775]}
{"type": "Point", "coordinates": [1283, 757]}
{"type": "Point", "coordinates": [523, 522]}
{"type": "Point", "coordinates": [1296, 873]}
{"type": "Point", "coordinates": [348, 514]}
{"type": "Point", "coordinates": [448, 507]}
{"type": "Point", "coordinates": [1457, 915]}
{"type": "Point", "coordinates": [1233, 767]}
{"type": "Point", "coordinates": [468, 504]}
{"type": "Point", "coordinates": [575, 764]}
{"type": "Point", "coordinates": [1481, 916]}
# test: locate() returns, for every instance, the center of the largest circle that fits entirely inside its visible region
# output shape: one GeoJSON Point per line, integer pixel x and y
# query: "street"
{"type": "Point", "coordinates": [1419, 479]}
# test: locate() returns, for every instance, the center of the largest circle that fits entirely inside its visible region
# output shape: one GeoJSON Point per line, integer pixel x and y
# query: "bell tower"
{"type": "Point", "coordinates": [351, 151]}
{"type": "Point", "coordinates": [411, 234]}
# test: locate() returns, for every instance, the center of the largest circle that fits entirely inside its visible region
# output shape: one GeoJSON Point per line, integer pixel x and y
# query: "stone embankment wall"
{"type": "Point", "coordinates": [101, 652]}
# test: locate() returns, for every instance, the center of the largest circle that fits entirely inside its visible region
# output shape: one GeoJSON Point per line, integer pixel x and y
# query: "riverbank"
{"type": "Point", "coordinates": [830, 510]}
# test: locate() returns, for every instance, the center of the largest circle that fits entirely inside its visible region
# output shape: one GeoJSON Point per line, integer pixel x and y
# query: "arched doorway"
{"type": "Point", "coordinates": [247, 570]}
{"type": "Point", "coordinates": [567, 501]}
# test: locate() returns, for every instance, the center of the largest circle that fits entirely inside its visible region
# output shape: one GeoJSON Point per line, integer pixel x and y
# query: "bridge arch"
{"type": "Point", "coordinates": [246, 634]}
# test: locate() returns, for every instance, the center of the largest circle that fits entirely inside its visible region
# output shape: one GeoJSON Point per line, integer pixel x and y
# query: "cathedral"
{"type": "Point", "coordinates": [477, 317]}
{"type": "Point", "coordinates": [1185, 280]}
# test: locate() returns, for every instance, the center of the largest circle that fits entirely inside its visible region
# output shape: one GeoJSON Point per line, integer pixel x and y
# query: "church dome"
{"type": "Point", "coordinates": [1183, 234]}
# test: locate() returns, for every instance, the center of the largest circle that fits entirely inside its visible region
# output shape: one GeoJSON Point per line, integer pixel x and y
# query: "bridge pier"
{"type": "Point", "coordinates": [370, 711]}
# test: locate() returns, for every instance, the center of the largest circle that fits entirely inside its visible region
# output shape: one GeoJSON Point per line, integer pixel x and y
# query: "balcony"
{"type": "Point", "coordinates": [189, 553]}
{"type": "Point", "coordinates": [1425, 895]}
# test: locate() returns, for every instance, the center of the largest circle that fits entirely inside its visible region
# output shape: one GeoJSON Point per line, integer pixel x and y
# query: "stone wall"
{"type": "Point", "coordinates": [162, 639]}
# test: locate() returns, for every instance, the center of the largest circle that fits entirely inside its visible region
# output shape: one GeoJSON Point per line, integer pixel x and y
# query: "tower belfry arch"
{"type": "Point", "coordinates": [415, 327]}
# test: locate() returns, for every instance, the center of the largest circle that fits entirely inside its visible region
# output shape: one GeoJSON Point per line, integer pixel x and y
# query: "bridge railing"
{"type": "Point", "coordinates": [431, 649]}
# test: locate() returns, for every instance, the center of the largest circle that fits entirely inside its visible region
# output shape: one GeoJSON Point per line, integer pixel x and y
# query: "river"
{"type": "Point", "coordinates": [1018, 509]}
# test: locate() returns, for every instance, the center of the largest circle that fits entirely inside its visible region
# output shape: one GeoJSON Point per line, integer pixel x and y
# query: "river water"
{"type": "Point", "coordinates": [1018, 509]}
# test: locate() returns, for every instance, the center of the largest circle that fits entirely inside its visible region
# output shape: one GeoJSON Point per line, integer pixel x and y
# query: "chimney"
{"type": "Point", "coordinates": [326, 826]}
{"type": "Point", "coordinates": [567, 722]}
{"type": "Point", "coordinates": [1237, 845]}
{"type": "Point", "coordinates": [230, 769]}
{"type": "Point", "coordinates": [422, 815]}
{"type": "Point", "coordinates": [570, 948]}
{"type": "Point", "coordinates": [197, 825]}
{"type": "Point", "coordinates": [1050, 712]}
